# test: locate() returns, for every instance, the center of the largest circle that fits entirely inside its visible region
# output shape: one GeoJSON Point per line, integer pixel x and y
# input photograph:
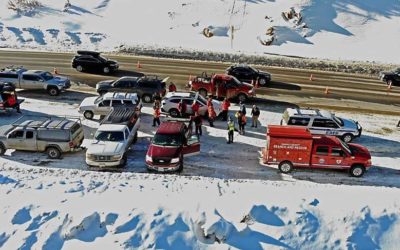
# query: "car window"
{"type": "Point", "coordinates": [30, 77]}
{"type": "Point", "coordinates": [105, 103]}
{"type": "Point", "coordinates": [175, 100]}
{"type": "Point", "coordinates": [188, 101]}
{"type": "Point", "coordinates": [330, 124]}
{"type": "Point", "coordinates": [116, 103]}
{"type": "Point", "coordinates": [122, 84]}
{"type": "Point", "coordinates": [128, 102]}
{"type": "Point", "coordinates": [109, 136]}
{"type": "Point", "coordinates": [298, 121]}
{"type": "Point", "coordinates": [337, 152]}
{"type": "Point", "coordinates": [29, 134]}
{"type": "Point", "coordinates": [7, 75]}
{"type": "Point", "coordinates": [319, 123]}
{"type": "Point", "coordinates": [322, 150]}
{"type": "Point", "coordinates": [126, 133]}
{"type": "Point", "coordinates": [17, 134]}
{"type": "Point", "coordinates": [89, 59]}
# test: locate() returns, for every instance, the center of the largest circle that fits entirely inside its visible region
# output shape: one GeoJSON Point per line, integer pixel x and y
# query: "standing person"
{"type": "Point", "coordinates": [156, 117]}
{"type": "Point", "coordinates": [209, 101]}
{"type": "Point", "coordinates": [255, 113]}
{"type": "Point", "coordinates": [171, 87]}
{"type": "Point", "coordinates": [182, 108]}
{"type": "Point", "coordinates": [242, 108]}
{"type": "Point", "coordinates": [211, 115]}
{"type": "Point", "coordinates": [195, 107]}
{"type": "Point", "coordinates": [225, 109]}
{"type": "Point", "coordinates": [231, 130]}
{"type": "Point", "coordinates": [241, 119]}
{"type": "Point", "coordinates": [157, 103]}
{"type": "Point", "coordinates": [197, 123]}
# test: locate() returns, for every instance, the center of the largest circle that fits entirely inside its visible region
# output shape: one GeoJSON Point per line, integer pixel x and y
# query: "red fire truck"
{"type": "Point", "coordinates": [290, 147]}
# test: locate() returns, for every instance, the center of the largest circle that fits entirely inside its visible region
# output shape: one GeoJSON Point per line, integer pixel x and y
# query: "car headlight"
{"type": "Point", "coordinates": [175, 160]}
{"type": "Point", "coordinates": [116, 157]}
{"type": "Point", "coordinates": [251, 91]}
{"type": "Point", "coordinates": [148, 158]}
{"type": "Point", "coordinates": [90, 157]}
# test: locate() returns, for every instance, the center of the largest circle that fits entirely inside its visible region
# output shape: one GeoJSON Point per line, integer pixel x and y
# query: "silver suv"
{"type": "Point", "coordinates": [102, 105]}
{"type": "Point", "coordinates": [34, 79]}
{"type": "Point", "coordinates": [54, 136]}
{"type": "Point", "coordinates": [322, 122]}
{"type": "Point", "coordinates": [170, 102]}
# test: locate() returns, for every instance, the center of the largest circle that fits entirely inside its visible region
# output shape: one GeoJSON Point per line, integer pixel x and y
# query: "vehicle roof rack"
{"type": "Point", "coordinates": [120, 115]}
{"type": "Point", "coordinates": [12, 68]}
{"type": "Point", "coordinates": [48, 122]}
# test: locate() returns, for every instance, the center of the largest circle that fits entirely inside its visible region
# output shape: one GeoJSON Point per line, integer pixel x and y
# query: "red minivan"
{"type": "Point", "coordinates": [172, 142]}
{"type": "Point", "coordinates": [290, 147]}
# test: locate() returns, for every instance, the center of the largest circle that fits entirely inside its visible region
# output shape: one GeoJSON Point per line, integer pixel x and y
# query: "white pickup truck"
{"type": "Point", "coordinates": [22, 78]}
{"type": "Point", "coordinates": [113, 139]}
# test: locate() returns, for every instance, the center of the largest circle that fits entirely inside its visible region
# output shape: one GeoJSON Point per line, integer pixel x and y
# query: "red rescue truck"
{"type": "Point", "coordinates": [221, 85]}
{"type": "Point", "coordinates": [290, 147]}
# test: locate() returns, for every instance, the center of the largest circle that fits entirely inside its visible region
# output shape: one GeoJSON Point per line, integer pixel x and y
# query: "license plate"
{"type": "Point", "coordinates": [161, 161]}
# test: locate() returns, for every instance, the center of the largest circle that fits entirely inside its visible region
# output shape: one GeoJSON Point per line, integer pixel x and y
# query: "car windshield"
{"type": "Point", "coordinates": [98, 99]}
{"type": "Point", "coordinates": [168, 140]}
{"type": "Point", "coordinates": [109, 136]}
{"type": "Point", "coordinates": [338, 120]}
{"type": "Point", "coordinates": [47, 76]}
{"type": "Point", "coordinates": [345, 146]}
{"type": "Point", "coordinates": [102, 58]}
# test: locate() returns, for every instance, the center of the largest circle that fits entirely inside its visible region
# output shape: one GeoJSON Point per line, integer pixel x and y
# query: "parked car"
{"type": "Point", "coordinates": [113, 138]}
{"type": "Point", "coordinates": [145, 86]}
{"type": "Point", "coordinates": [34, 79]}
{"type": "Point", "coordinates": [246, 73]}
{"type": "Point", "coordinates": [93, 61]}
{"type": "Point", "coordinates": [169, 103]}
{"type": "Point", "coordinates": [52, 135]}
{"type": "Point", "coordinates": [102, 105]}
{"type": "Point", "coordinates": [172, 142]}
{"type": "Point", "coordinates": [391, 77]}
{"type": "Point", "coordinates": [8, 97]}
{"type": "Point", "coordinates": [322, 122]}
{"type": "Point", "coordinates": [290, 147]}
{"type": "Point", "coordinates": [221, 85]}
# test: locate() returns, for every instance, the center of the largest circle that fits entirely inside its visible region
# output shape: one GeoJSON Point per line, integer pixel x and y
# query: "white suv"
{"type": "Point", "coordinates": [170, 102]}
{"type": "Point", "coordinates": [322, 122]}
{"type": "Point", "coordinates": [102, 105]}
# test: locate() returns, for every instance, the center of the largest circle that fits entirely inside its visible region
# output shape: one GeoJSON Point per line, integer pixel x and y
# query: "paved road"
{"type": "Point", "coordinates": [286, 81]}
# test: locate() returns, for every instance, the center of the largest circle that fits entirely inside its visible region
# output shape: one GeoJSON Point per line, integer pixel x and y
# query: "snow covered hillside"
{"type": "Point", "coordinates": [57, 204]}
{"type": "Point", "coordinates": [341, 29]}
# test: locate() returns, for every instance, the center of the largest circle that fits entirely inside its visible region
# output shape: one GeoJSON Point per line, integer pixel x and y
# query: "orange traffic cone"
{"type": "Point", "coordinates": [311, 77]}
{"type": "Point", "coordinates": [327, 91]}
{"type": "Point", "coordinates": [138, 65]}
{"type": "Point", "coordinates": [55, 71]}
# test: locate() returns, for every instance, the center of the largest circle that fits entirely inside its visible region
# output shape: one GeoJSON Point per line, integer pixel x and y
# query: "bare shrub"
{"type": "Point", "coordinates": [24, 6]}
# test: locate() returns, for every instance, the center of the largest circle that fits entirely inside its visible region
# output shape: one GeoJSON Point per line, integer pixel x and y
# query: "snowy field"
{"type": "Point", "coordinates": [225, 199]}
{"type": "Point", "coordinates": [341, 29]}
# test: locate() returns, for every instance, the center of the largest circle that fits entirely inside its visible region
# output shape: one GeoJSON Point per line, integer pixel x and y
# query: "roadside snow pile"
{"type": "Point", "coordinates": [114, 211]}
{"type": "Point", "coordinates": [308, 28]}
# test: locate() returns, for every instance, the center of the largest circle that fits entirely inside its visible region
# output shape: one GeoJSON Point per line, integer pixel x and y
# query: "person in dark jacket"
{"type": "Point", "coordinates": [255, 113]}
{"type": "Point", "coordinates": [197, 123]}
{"type": "Point", "coordinates": [242, 108]}
{"type": "Point", "coordinates": [241, 118]}
{"type": "Point", "coordinates": [231, 130]}
{"type": "Point", "coordinates": [182, 108]}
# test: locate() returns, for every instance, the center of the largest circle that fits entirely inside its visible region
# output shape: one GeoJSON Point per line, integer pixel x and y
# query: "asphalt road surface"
{"type": "Point", "coordinates": [291, 85]}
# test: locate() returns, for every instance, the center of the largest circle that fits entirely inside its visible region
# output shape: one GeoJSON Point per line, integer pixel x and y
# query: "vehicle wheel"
{"type": "Point", "coordinates": [263, 82]}
{"type": "Point", "coordinates": [79, 68]}
{"type": "Point", "coordinates": [88, 115]}
{"type": "Point", "coordinates": [53, 153]}
{"type": "Point", "coordinates": [285, 167]}
{"type": "Point", "coordinates": [135, 137]}
{"type": "Point", "coordinates": [102, 92]}
{"type": "Point", "coordinates": [180, 165]}
{"type": "Point", "coordinates": [2, 149]}
{"type": "Point", "coordinates": [203, 93]}
{"type": "Point", "coordinates": [389, 82]}
{"type": "Point", "coordinates": [123, 161]}
{"type": "Point", "coordinates": [106, 70]}
{"type": "Point", "coordinates": [174, 113]}
{"type": "Point", "coordinates": [242, 97]}
{"type": "Point", "coordinates": [357, 171]}
{"type": "Point", "coordinates": [347, 138]}
{"type": "Point", "coordinates": [53, 91]}
{"type": "Point", "coordinates": [147, 98]}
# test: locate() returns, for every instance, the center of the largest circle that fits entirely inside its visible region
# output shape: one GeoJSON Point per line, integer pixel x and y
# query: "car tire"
{"type": "Point", "coordinates": [263, 82]}
{"type": "Point", "coordinates": [88, 115]}
{"type": "Point", "coordinates": [285, 167]}
{"type": "Point", "coordinates": [53, 91]}
{"type": "Point", "coordinates": [2, 149]}
{"type": "Point", "coordinates": [102, 92]}
{"type": "Point", "coordinates": [79, 68]}
{"type": "Point", "coordinates": [347, 138]}
{"type": "Point", "coordinates": [180, 169]}
{"type": "Point", "coordinates": [106, 70]}
{"type": "Point", "coordinates": [389, 82]}
{"type": "Point", "coordinates": [357, 171]}
{"type": "Point", "coordinates": [135, 138]}
{"type": "Point", "coordinates": [242, 98]}
{"type": "Point", "coordinates": [124, 160]}
{"type": "Point", "coordinates": [174, 113]}
{"type": "Point", "coordinates": [203, 93]}
{"type": "Point", "coordinates": [147, 98]}
{"type": "Point", "coordinates": [53, 153]}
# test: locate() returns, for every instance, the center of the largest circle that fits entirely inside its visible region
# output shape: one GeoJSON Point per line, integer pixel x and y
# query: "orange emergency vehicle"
{"type": "Point", "coordinates": [290, 147]}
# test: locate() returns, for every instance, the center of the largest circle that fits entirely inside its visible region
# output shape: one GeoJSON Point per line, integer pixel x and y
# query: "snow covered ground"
{"type": "Point", "coordinates": [54, 204]}
{"type": "Point", "coordinates": [341, 29]}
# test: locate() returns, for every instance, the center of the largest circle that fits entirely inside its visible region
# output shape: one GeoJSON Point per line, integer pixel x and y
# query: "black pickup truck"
{"type": "Point", "coordinates": [391, 78]}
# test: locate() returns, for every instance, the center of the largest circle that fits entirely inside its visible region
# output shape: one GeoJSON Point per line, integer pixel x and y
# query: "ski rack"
{"type": "Point", "coordinates": [40, 121]}
{"type": "Point", "coordinates": [120, 115]}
